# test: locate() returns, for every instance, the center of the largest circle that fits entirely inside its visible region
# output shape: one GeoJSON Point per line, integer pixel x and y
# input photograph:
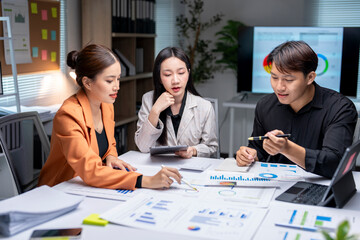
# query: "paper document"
{"type": "Point", "coordinates": [78, 187]}
{"type": "Point", "coordinates": [291, 221]}
{"type": "Point", "coordinates": [277, 171]}
{"type": "Point", "coordinates": [229, 164]}
{"type": "Point", "coordinates": [34, 207]}
{"type": "Point", "coordinates": [182, 216]}
{"type": "Point", "coordinates": [216, 178]}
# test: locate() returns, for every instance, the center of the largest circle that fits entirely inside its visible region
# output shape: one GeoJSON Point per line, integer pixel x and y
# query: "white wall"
{"type": "Point", "coordinates": [251, 13]}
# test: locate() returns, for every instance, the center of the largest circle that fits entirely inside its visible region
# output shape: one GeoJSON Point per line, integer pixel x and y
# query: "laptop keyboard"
{"type": "Point", "coordinates": [311, 195]}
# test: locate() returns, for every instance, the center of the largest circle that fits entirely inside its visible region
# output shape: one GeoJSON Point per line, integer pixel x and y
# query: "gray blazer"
{"type": "Point", "coordinates": [197, 127]}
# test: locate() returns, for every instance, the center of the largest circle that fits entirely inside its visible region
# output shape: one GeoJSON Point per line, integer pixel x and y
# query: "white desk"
{"type": "Point", "coordinates": [240, 102]}
{"type": "Point", "coordinates": [111, 231]}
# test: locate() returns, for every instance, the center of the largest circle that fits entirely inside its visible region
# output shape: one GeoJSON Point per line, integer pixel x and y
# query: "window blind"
{"type": "Point", "coordinates": [165, 17]}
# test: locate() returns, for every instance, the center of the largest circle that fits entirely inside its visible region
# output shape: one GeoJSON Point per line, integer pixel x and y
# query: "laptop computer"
{"type": "Point", "coordinates": [337, 194]}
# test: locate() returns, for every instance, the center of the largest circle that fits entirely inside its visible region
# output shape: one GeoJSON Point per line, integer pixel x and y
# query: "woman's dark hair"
{"type": "Point", "coordinates": [90, 61]}
{"type": "Point", "coordinates": [159, 88]}
{"type": "Point", "coordinates": [294, 56]}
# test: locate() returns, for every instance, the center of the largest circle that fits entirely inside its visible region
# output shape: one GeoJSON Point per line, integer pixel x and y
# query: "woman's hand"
{"type": "Point", "coordinates": [191, 151]}
{"type": "Point", "coordinates": [162, 178]}
{"type": "Point", "coordinates": [114, 162]}
{"type": "Point", "coordinates": [163, 102]}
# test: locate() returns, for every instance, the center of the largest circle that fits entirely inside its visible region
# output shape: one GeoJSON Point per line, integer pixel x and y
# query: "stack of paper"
{"type": "Point", "coordinates": [34, 207]}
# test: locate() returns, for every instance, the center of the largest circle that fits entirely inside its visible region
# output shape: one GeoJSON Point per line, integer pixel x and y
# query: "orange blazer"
{"type": "Point", "coordinates": [74, 148]}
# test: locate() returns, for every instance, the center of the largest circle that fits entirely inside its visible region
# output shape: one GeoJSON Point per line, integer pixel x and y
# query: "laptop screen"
{"type": "Point", "coordinates": [347, 162]}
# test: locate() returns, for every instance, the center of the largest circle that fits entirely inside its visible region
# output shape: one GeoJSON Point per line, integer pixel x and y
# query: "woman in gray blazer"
{"type": "Point", "coordinates": [174, 113]}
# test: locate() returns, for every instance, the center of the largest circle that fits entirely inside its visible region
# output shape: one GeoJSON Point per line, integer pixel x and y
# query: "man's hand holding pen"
{"type": "Point", "coordinates": [274, 145]}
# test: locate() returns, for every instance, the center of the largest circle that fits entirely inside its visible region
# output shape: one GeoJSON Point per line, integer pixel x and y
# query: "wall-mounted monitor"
{"type": "Point", "coordinates": [337, 49]}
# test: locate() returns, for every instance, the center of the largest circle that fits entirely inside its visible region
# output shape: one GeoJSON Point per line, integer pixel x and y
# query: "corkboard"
{"type": "Point", "coordinates": [36, 26]}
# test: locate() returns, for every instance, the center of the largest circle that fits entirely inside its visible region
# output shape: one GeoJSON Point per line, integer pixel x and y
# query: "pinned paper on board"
{"type": "Point", "coordinates": [44, 34]}
{"type": "Point", "coordinates": [35, 52]}
{"type": "Point", "coordinates": [44, 55]}
{"type": "Point", "coordinates": [54, 12]}
{"type": "Point", "coordinates": [34, 8]}
{"type": "Point", "coordinates": [44, 15]}
{"type": "Point", "coordinates": [53, 56]}
{"type": "Point", "coordinates": [53, 35]}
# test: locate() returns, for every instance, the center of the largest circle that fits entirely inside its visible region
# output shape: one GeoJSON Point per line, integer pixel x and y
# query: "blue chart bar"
{"type": "Point", "coordinates": [123, 191]}
{"type": "Point", "coordinates": [292, 217]}
{"type": "Point", "coordinates": [264, 165]}
{"type": "Point", "coordinates": [162, 205]}
{"type": "Point", "coordinates": [147, 217]}
{"type": "Point", "coordinates": [238, 178]}
{"type": "Point", "coordinates": [285, 236]}
{"type": "Point", "coordinates": [322, 218]}
{"type": "Point", "coordinates": [273, 165]}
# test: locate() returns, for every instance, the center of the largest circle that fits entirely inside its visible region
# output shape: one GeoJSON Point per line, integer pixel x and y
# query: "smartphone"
{"type": "Point", "coordinates": [64, 233]}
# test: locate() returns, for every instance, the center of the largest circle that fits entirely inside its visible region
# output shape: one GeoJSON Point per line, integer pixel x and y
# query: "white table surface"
{"type": "Point", "coordinates": [111, 231]}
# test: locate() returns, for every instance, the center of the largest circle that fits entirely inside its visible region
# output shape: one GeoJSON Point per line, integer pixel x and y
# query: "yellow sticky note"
{"type": "Point", "coordinates": [93, 219]}
{"type": "Point", "coordinates": [34, 8]}
{"type": "Point", "coordinates": [54, 12]}
{"type": "Point", "coordinates": [53, 56]}
{"type": "Point", "coordinates": [44, 34]}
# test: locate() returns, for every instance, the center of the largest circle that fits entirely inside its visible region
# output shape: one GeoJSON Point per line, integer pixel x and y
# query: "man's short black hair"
{"type": "Point", "coordinates": [295, 56]}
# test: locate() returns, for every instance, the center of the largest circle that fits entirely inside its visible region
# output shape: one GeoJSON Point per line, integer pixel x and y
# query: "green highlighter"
{"type": "Point", "coordinates": [94, 219]}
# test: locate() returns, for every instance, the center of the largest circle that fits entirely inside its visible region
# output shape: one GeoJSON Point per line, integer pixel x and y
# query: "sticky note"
{"type": "Point", "coordinates": [44, 34]}
{"type": "Point", "coordinates": [44, 15]}
{"type": "Point", "coordinates": [53, 35]}
{"type": "Point", "coordinates": [34, 8]}
{"type": "Point", "coordinates": [35, 52]}
{"type": "Point", "coordinates": [93, 219]}
{"type": "Point", "coordinates": [44, 55]}
{"type": "Point", "coordinates": [54, 12]}
{"type": "Point", "coordinates": [53, 56]}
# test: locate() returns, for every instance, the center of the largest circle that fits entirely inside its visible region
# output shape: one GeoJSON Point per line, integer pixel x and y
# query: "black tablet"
{"type": "Point", "coordinates": [167, 149]}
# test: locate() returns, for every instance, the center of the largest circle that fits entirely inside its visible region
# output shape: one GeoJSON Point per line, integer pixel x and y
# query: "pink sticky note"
{"type": "Point", "coordinates": [44, 15]}
{"type": "Point", "coordinates": [44, 55]}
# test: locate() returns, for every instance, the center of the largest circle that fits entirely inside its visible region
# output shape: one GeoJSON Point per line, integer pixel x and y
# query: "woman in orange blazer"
{"type": "Point", "coordinates": [82, 141]}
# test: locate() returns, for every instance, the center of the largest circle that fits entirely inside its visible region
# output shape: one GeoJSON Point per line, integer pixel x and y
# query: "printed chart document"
{"type": "Point", "coordinates": [291, 221]}
{"type": "Point", "coordinates": [216, 178]}
{"type": "Point", "coordinates": [78, 187]}
{"type": "Point", "coordinates": [277, 171]}
{"type": "Point", "coordinates": [183, 216]}
{"type": "Point", "coordinates": [34, 207]}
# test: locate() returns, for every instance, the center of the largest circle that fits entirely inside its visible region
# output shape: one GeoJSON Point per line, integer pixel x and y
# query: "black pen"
{"type": "Point", "coordinates": [266, 137]}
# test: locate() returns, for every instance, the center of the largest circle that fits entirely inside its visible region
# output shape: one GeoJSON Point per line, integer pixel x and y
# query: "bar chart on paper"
{"type": "Point", "coordinates": [276, 171]}
{"type": "Point", "coordinates": [220, 221]}
{"type": "Point", "coordinates": [78, 187]}
{"type": "Point", "coordinates": [305, 222]}
{"type": "Point", "coordinates": [243, 179]}
{"type": "Point", "coordinates": [149, 212]}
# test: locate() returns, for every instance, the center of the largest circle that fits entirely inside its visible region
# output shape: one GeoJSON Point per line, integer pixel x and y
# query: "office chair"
{"type": "Point", "coordinates": [24, 150]}
{"type": "Point", "coordinates": [215, 105]}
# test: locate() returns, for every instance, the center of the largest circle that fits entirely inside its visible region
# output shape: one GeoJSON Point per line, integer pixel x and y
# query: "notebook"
{"type": "Point", "coordinates": [337, 194]}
